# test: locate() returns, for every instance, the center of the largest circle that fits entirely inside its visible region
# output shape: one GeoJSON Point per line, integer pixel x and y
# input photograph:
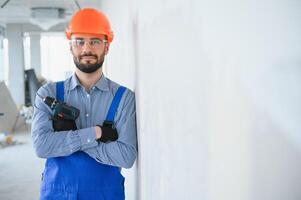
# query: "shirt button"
{"type": "Point", "coordinates": [87, 115]}
{"type": "Point", "coordinates": [88, 140]}
{"type": "Point", "coordinates": [88, 95]}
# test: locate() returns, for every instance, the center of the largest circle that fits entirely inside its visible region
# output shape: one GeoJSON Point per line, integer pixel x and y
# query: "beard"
{"type": "Point", "coordinates": [88, 67]}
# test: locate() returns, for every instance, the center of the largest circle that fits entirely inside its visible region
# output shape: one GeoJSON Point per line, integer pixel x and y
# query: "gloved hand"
{"type": "Point", "coordinates": [61, 124]}
{"type": "Point", "coordinates": [108, 133]}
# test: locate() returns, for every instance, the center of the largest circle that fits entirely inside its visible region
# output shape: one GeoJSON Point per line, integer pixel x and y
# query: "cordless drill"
{"type": "Point", "coordinates": [61, 109]}
{"type": "Point", "coordinates": [64, 115]}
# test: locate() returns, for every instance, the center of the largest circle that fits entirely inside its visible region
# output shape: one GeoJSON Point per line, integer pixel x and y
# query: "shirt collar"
{"type": "Point", "coordinates": [101, 84]}
{"type": "Point", "coordinates": [74, 82]}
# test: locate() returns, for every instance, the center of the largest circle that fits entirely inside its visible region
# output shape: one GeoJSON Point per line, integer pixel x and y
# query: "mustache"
{"type": "Point", "coordinates": [88, 54]}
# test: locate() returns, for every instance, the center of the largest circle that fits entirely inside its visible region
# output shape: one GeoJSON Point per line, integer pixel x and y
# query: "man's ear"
{"type": "Point", "coordinates": [107, 48]}
{"type": "Point", "coordinates": [70, 47]}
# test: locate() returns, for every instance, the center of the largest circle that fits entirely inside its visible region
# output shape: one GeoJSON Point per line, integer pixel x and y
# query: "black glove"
{"type": "Point", "coordinates": [61, 124]}
{"type": "Point", "coordinates": [108, 132]}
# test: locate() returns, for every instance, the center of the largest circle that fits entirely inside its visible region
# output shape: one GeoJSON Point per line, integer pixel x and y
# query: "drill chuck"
{"type": "Point", "coordinates": [51, 102]}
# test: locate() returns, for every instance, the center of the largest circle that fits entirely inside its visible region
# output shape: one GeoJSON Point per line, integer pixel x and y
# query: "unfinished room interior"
{"type": "Point", "coordinates": [150, 100]}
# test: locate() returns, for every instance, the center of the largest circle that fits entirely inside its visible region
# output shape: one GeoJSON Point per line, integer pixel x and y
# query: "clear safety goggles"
{"type": "Point", "coordinates": [93, 43]}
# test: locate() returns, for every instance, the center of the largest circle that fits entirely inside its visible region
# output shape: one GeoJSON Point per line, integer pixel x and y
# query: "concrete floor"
{"type": "Point", "coordinates": [20, 170]}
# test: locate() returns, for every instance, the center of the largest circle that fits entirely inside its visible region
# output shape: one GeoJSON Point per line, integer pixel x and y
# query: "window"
{"type": "Point", "coordinates": [4, 60]}
{"type": "Point", "coordinates": [26, 44]}
{"type": "Point", "coordinates": [56, 58]}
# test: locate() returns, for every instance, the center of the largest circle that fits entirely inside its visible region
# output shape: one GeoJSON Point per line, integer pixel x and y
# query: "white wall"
{"type": "Point", "coordinates": [120, 64]}
{"type": "Point", "coordinates": [218, 96]}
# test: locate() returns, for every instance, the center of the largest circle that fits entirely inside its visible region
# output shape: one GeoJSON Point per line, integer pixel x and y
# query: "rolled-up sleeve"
{"type": "Point", "coordinates": [48, 143]}
{"type": "Point", "coordinates": [123, 152]}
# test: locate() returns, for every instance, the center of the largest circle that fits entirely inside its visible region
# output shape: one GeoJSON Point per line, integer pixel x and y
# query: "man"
{"type": "Point", "coordinates": [84, 157]}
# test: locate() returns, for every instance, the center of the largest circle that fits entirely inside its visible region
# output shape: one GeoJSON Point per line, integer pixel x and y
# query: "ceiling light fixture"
{"type": "Point", "coordinates": [46, 17]}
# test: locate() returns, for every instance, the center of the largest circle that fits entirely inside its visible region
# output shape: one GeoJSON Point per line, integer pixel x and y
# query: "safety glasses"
{"type": "Point", "coordinates": [93, 42]}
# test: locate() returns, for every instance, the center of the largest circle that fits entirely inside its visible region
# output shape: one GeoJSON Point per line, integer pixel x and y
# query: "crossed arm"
{"type": "Point", "coordinates": [48, 143]}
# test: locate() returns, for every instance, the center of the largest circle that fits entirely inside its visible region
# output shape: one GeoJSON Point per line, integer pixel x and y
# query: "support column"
{"type": "Point", "coordinates": [16, 83]}
{"type": "Point", "coordinates": [1, 53]}
{"type": "Point", "coordinates": [35, 52]}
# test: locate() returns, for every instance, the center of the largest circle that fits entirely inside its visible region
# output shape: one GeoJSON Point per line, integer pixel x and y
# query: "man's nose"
{"type": "Point", "coordinates": [86, 47]}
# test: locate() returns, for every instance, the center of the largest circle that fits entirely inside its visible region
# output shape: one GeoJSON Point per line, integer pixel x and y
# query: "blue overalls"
{"type": "Point", "coordinates": [78, 176]}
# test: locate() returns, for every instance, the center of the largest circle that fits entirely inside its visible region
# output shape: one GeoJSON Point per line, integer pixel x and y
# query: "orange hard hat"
{"type": "Point", "coordinates": [91, 21]}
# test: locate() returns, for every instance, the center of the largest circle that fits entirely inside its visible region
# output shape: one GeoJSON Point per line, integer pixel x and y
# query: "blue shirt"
{"type": "Point", "coordinates": [93, 106]}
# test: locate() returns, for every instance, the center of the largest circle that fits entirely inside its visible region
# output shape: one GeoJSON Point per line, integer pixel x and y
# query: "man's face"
{"type": "Point", "coordinates": [88, 51]}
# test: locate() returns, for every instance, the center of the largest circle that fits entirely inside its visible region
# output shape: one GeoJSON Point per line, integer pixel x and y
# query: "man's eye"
{"type": "Point", "coordinates": [80, 42]}
{"type": "Point", "coordinates": [94, 42]}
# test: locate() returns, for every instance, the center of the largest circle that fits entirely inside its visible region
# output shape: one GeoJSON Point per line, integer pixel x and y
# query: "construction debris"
{"type": "Point", "coordinates": [7, 140]}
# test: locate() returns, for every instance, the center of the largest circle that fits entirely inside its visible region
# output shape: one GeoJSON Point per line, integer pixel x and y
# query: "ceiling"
{"type": "Point", "coordinates": [19, 11]}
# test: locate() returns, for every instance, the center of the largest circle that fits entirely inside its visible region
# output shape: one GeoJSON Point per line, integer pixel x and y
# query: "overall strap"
{"type": "Point", "coordinates": [60, 91]}
{"type": "Point", "coordinates": [115, 104]}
